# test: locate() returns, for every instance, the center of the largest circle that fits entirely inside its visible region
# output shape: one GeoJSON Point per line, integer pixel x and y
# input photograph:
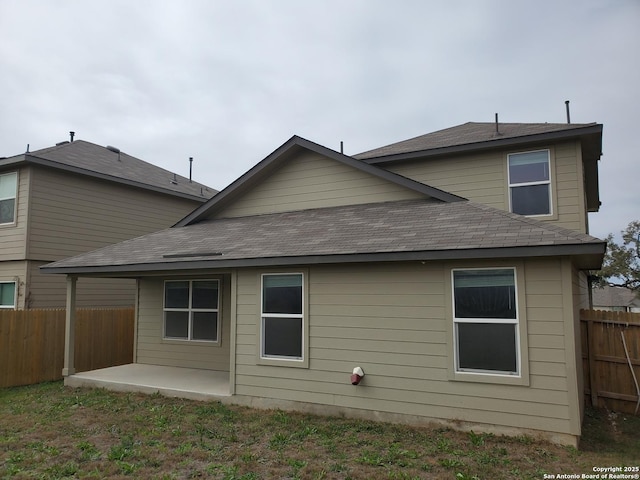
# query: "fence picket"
{"type": "Point", "coordinates": [32, 342]}
{"type": "Point", "coordinates": [608, 378]}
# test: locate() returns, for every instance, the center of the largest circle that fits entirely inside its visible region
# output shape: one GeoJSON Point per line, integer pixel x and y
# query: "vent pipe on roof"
{"type": "Point", "coordinates": [497, 128]}
{"type": "Point", "coordinates": [27, 148]}
{"type": "Point", "coordinates": [71, 135]}
{"type": "Point", "coordinates": [566, 103]}
{"type": "Point", "coordinates": [175, 179]}
{"type": "Point", "coordinates": [341, 146]}
{"type": "Point", "coordinates": [190, 167]}
{"type": "Point", "coordinates": [114, 150]}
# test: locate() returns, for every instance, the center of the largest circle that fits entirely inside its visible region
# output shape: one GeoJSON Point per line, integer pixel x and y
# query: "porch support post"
{"type": "Point", "coordinates": [70, 328]}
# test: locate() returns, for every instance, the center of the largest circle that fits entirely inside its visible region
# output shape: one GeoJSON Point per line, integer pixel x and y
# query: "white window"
{"type": "Point", "coordinates": [530, 183]}
{"type": "Point", "coordinates": [486, 321]}
{"type": "Point", "coordinates": [282, 325]}
{"type": "Point", "coordinates": [7, 294]}
{"type": "Point", "coordinates": [8, 189]}
{"type": "Point", "coordinates": [191, 310]}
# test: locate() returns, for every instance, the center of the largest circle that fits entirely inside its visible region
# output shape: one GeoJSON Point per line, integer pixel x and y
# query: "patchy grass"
{"type": "Point", "coordinates": [51, 432]}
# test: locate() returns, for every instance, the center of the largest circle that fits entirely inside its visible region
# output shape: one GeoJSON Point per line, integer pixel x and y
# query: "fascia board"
{"type": "Point", "coordinates": [591, 249]}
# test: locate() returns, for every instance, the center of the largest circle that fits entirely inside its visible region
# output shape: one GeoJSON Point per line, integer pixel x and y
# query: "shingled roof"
{"type": "Point", "coordinates": [477, 134]}
{"type": "Point", "coordinates": [86, 158]}
{"type": "Point", "coordinates": [391, 231]}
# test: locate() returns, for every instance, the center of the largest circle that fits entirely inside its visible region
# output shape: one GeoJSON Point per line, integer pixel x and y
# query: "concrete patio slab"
{"type": "Point", "coordinates": [195, 384]}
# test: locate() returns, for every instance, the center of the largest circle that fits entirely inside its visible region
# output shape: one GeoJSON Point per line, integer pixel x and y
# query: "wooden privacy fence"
{"type": "Point", "coordinates": [611, 359]}
{"type": "Point", "coordinates": [32, 343]}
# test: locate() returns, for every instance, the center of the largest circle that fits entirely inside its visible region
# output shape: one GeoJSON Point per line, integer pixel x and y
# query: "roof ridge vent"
{"type": "Point", "coordinates": [59, 143]}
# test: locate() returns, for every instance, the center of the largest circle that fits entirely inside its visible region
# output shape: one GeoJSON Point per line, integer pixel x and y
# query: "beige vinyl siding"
{"type": "Point", "coordinates": [152, 349]}
{"type": "Point", "coordinates": [13, 237]}
{"type": "Point", "coordinates": [47, 291]}
{"type": "Point", "coordinates": [312, 181]}
{"type": "Point", "coordinates": [571, 206]}
{"type": "Point", "coordinates": [390, 320]}
{"type": "Point", "coordinates": [15, 271]}
{"type": "Point", "coordinates": [478, 177]}
{"type": "Point", "coordinates": [483, 178]}
{"type": "Point", "coordinates": [72, 214]}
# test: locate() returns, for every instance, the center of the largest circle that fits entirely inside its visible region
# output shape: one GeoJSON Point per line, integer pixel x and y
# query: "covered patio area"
{"type": "Point", "coordinates": [191, 383]}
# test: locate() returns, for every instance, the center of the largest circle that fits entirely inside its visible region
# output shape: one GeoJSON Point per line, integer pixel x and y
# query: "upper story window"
{"type": "Point", "coordinates": [191, 310]}
{"type": "Point", "coordinates": [7, 294]}
{"type": "Point", "coordinates": [8, 190]}
{"type": "Point", "coordinates": [530, 183]}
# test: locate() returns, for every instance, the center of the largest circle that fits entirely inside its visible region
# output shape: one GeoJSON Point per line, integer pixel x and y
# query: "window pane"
{"type": "Point", "coordinates": [176, 325]}
{"type": "Point", "coordinates": [531, 200]}
{"type": "Point", "coordinates": [7, 210]}
{"type": "Point", "coordinates": [529, 167]}
{"type": "Point", "coordinates": [487, 346]}
{"type": "Point", "coordinates": [8, 185]}
{"type": "Point", "coordinates": [176, 294]}
{"type": "Point", "coordinates": [283, 337]}
{"type": "Point", "coordinates": [205, 326]}
{"type": "Point", "coordinates": [7, 294]}
{"type": "Point", "coordinates": [484, 294]}
{"type": "Point", "coordinates": [282, 294]}
{"type": "Point", "coordinates": [205, 294]}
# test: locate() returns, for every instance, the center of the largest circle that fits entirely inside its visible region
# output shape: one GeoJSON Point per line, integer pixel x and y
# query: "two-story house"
{"type": "Point", "coordinates": [72, 198]}
{"type": "Point", "coordinates": [449, 268]}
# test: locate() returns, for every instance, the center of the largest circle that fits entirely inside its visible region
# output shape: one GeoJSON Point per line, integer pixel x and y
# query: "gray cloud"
{"type": "Point", "coordinates": [228, 81]}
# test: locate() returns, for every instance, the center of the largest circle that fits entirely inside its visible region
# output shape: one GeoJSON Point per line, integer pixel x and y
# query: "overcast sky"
{"type": "Point", "coordinates": [227, 82]}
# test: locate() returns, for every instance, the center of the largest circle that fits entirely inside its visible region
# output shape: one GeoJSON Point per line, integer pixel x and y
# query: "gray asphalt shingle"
{"type": "Point", "coordinates": [403, 226]}
{"type": "Point", "coordinates": [468, 133]}
{"type": "Point", "coordinates": [94, 158]}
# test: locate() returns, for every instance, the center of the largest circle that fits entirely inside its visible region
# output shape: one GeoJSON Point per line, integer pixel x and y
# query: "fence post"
{"type": "Point", "coordinates": [592, 361]}
{"type": "Point", "coordinates": [70, 328]}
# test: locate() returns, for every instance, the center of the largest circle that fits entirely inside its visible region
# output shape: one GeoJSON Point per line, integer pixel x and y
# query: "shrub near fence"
{"type": "Point", "coordinates": [32, 342]}
{"type": "Point", "coordinates": [611, 359]}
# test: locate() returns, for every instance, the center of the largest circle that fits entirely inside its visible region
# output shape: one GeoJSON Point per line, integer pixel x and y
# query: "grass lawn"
{"type": "Point", "coordinates": [49, 431]}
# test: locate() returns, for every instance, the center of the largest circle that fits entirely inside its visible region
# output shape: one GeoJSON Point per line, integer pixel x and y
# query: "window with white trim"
{"type": "Point", "coordinates": [282, 315]}
{"type": "Point", "coordinates": [7, 294]}
{"type": "Point", "coordinates": [486, 321]}
{"type": "Point", "coordinates": [530, 183]}
{"type": "Point", "coordinates": [191, 310]}
{"type": "Point", "coordinates": [8, 192]}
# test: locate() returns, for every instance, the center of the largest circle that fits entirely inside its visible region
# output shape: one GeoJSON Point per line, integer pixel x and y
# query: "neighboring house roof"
{"type": "Point", "coordinates": [293, 147]}
{"type": "Point", "coordinates": [93, 160]}
{"type": "Point", "coordinates": [474, 136]}
{"type": "Point", "coordinates": [391, 231]}
{"type": "Point", "coordinates": [608, 296]}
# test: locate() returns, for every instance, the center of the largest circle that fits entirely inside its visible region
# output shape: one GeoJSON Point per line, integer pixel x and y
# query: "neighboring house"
{"type": "Point", "coordinates": [617, 299]}
{"type": "Point", "coordinates": [313, 263]}
{"type": "Point", "coordinates": [73, 198]}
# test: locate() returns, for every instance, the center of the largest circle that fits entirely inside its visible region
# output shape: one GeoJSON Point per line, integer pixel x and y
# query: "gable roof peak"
{"type": "Point", "coordinates": [285, 152]}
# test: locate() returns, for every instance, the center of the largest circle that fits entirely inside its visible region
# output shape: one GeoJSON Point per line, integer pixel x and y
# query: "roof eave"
{"type": "Point", "coordinates": [28, 159]}
{"type": "Point", "coordinates": [488, 144]}
{"type": "Point", "coordinates": [586, 256]}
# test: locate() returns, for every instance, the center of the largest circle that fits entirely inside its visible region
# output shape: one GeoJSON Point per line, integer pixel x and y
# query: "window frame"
{"type": "Point", "coordinates": [521, 344]}
{"type": "Point", "coordinates": [14, 197]}
{"type": "Point", "coordinates": [15, 293]}
{"type": "Point", "coordinates": [265, 359]}
{"type": "Point", "coordinates": [190, 311]}
{"type": "Point", "coordinates": [549, 183]}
